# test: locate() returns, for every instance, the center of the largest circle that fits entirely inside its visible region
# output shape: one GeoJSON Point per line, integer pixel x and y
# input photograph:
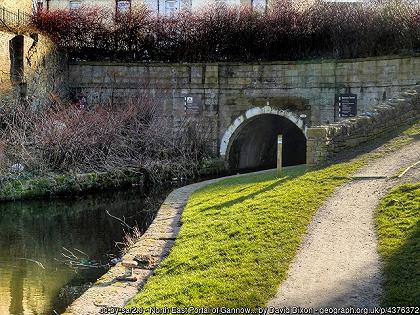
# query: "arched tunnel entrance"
{"type": "Point", "coordinates": [254, 145]}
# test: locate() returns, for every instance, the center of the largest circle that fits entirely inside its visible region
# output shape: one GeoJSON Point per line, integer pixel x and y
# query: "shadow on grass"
{"type": "Point", "coordinates": [289, 174]}
{"type": "Point", "coordinates": [372, 145]}
{"type": "Point", "coordinates": [402, 273]}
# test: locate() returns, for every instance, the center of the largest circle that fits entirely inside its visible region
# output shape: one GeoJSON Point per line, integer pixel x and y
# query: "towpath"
{"type": "Point", "coordinates": [338, 264]}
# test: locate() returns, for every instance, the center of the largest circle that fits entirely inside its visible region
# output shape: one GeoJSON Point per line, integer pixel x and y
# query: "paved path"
{"type": "Point", "coordinates": [338, 264]}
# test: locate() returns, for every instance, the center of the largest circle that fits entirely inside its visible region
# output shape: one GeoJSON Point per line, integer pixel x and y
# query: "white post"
{"type": "Point", "coordinates": [279, 153]}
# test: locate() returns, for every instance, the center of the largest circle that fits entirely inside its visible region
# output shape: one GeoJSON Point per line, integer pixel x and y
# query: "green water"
{"type": "Point", "coordinates": [35, 276]}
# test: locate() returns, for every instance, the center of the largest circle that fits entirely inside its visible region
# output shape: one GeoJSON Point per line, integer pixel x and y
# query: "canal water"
{"type": "Point", "coordinates": [51, 250]}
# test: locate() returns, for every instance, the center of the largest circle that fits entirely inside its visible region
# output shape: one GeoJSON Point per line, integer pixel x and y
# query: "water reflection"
{"type": "Point", "coordinates": [34, 236]}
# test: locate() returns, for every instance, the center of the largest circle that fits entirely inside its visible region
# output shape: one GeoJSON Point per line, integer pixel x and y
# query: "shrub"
{"type": "Point", "coordinates": [222, 33]}
{"type": "Point", "coordinates": [131, 137]}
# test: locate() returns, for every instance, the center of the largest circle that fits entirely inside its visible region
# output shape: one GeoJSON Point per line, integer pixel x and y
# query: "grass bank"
{"type": "Point", "coordinates": [239, 236]}
{"type": "Point", "coordinates": [398, 224]}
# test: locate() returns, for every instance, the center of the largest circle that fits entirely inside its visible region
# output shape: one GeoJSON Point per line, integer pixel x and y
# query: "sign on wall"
{"type": "Point", "coordinates": [191, 105]}
{"type": "Point", "coordinates": [347, 105]}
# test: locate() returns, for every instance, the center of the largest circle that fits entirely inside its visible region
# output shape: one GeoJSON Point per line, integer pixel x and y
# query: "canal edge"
{"type": "Point", "coordinates": [156, 242]}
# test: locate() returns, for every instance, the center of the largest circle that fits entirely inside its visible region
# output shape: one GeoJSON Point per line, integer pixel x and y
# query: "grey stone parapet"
{"type": "Point", "coordinates": [323, 142]}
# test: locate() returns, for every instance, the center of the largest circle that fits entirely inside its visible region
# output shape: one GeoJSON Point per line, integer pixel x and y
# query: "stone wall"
{"type": "Point", "coordinates": [42, 75]}
{"type": "Point", "coordinates": [15, 5]}
{"type": "Point", "coordinates": [311, 85]}
{"type": "Point", "coordinates": [324, 142]}
{"type": "Point", "coordinates": [222, 92]}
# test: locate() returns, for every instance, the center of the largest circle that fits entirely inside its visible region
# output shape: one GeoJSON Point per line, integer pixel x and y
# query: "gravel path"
{"type": "Point", "coordinates": [338, 264]}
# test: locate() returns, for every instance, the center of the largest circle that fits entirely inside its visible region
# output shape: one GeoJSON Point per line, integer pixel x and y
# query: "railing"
{"type": "Point", "coordinates": [12, 20]}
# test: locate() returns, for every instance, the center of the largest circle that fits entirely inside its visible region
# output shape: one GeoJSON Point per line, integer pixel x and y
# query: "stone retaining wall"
{"type": "Point", "coordinates": [324, 142]}
{"type": "Point", "coordinates": [15, 5]}
{"type": "Point", "coordinates": [38, 75]}
{"type": "Point", "coordinates": [219, 93]}
{"type": "Point", "coordinates": [229, 89]}
{"type": "Point", "coordinates": [155, 243]}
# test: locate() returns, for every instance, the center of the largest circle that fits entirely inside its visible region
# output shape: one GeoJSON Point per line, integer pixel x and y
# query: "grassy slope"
{"type": "Point", "coordinates": [398, 222]}
{"type": "Point", "coordinates": [240, 235]}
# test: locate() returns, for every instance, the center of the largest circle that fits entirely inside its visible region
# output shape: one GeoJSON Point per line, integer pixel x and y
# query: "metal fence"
{"type": "Point", "coordinates": [12, 20]}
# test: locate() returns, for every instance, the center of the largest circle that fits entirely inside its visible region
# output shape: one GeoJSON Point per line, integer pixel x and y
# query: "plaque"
{"type": "Point", "coordinates": [191, 105]}
{"type": "Point", "coordinates": [347, 105]}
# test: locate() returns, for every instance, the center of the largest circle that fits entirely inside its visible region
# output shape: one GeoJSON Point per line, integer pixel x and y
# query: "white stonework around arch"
{"type": "Point", "coordinates": [256, 111]}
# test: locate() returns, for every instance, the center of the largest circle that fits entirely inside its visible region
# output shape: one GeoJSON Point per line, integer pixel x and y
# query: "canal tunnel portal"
{"type": "Point", "coordinates": [253, 143]}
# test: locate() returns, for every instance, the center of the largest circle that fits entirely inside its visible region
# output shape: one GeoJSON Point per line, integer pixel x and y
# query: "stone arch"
{"type": "Point", "coordinates": [260, 119]}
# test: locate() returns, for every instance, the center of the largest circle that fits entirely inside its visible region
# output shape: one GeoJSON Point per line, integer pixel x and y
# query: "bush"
{"type": "Point", "coordinates": [131, 137]}
{"type": "Point", "coordinates": [222, 33]}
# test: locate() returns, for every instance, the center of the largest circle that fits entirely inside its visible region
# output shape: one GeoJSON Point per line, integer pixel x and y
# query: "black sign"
{"type": "Point", "coordinates": [347, 105]}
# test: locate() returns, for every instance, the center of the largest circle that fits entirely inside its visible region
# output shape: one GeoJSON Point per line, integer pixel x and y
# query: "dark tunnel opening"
{"type": "Point", "coordinates": [255, 144]}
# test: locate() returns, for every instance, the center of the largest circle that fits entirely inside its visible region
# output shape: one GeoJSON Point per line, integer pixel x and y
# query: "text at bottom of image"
{"type": "Point", "coordinates": [261, 311]}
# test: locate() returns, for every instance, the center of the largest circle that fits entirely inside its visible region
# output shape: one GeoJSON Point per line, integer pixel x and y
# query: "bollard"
{"type": "Point", "coordinates": [128, 273]}
{"type": "Point", "coordinates": [279, 154]}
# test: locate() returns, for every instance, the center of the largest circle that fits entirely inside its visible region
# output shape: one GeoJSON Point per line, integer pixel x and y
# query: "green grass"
{"type": "Point", "coordinates": [408, 135]}
{"type": "Point", "coordinates": [398, 223]}
{"type": "Point", "coordinates": [239, 237]}
{"type": "Point", "coordinates": [413, 131]}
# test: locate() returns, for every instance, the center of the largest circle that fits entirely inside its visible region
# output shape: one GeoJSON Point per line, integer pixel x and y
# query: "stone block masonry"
{"type": "Point", "coordinates": [15, 5]}
{"type": "Point", "coordinates": [222, 92]}
{"type": "Point", "coordinates": [31, 69]}
{"type": "Point", "coordinates": [324, 142]}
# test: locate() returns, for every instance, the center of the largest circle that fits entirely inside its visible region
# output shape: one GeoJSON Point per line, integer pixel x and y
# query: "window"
{"type": "Point", "coordinates": [123, 6]}
{"type": "Point", "coordinates": [259, 5]}
{"type": "Point", "coordinates": [171, 6]}
{"type": "Point", "coordinates": [152, 4]}
{"type": "Point", "coordinates": [75, 5]}
{"type": "Point", "coordinates": [16, 50]}
{"type": "Point", "coordinates": [38, 5]}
